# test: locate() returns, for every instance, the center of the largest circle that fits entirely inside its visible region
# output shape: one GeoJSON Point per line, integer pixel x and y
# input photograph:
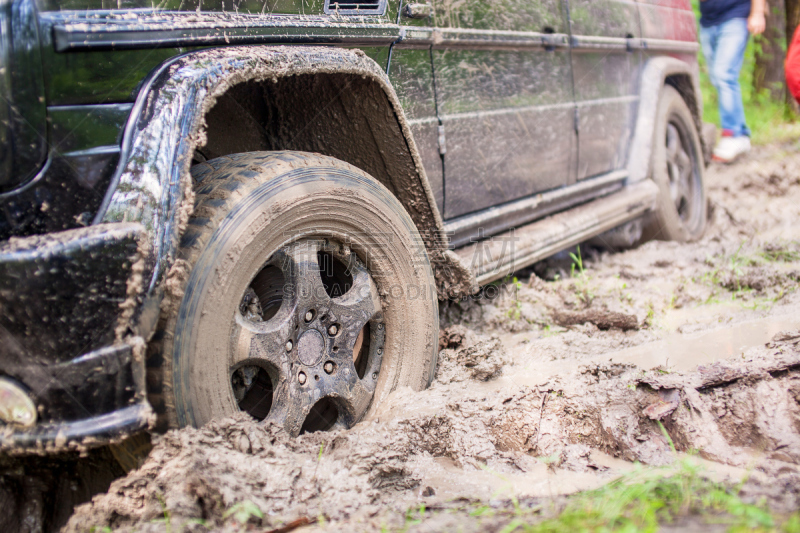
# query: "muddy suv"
{"type": "Point", "coordinates": [212, 207]}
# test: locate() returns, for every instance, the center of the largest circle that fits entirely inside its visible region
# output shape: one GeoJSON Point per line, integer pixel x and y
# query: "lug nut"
{"type": "Point", "coordinates": [289, 346]}
{"type": "Point", "coordinates": [301, 378]}
{"type": "Point", "coordinates": [374, 375]}
{"type": "Point", "coordinates": [309, 316]}
{"type": "Point", "coordinates": [380, 326]}
{"type": "Point", "coordinates": [333, 330]}
{"type": "Point", "coordinates": [380, 351]}
{"type": "Point", "coordinates": [328, 367]}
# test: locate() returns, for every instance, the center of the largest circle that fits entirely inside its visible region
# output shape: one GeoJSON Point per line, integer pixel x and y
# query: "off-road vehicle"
{"type": "Point", "coordinates": [222, 206]}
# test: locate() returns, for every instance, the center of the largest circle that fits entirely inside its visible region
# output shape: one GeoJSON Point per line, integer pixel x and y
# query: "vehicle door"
{"type": "Point", "coordinates": [411, 74]}
{"type": "Point", "coordinates": [504, 93]}
{"type": "Point", "coordinates": [605, 58]}
{"type": "Point", "coordinates": [23, 147]}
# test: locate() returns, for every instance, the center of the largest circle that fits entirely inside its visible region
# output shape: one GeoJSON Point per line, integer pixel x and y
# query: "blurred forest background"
{"type": "Point", "coordinates": [771, 112]}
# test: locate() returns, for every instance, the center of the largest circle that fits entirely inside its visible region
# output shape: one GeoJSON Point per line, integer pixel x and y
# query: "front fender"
{"type": "Point", "coordinates": [153, 185]}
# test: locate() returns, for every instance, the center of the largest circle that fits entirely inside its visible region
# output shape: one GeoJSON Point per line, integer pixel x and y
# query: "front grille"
{"type": "Point", "coordinates": [355, 7]}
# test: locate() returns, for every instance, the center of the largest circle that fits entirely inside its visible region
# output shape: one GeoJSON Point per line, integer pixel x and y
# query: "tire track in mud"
{"type": "Point", "coordinates": [522, 405]}
{"type": "Point", "coordinates": [735, 412]}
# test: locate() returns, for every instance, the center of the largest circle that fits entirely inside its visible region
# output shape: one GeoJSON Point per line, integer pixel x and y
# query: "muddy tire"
{"type": "Point", "coordinates": [677, 168]}
{"type": "Point", "coordinates": [302, 295]}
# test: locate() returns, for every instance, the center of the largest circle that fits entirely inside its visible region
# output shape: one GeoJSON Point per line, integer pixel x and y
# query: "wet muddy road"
{"type": "Point", "coordinates": [556, 383]}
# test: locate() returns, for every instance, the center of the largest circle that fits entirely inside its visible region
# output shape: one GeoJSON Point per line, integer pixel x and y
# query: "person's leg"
{"type": "Point", "coordinates": [728, 56]}
{"type": "Point", "coordinates": [708, 42]}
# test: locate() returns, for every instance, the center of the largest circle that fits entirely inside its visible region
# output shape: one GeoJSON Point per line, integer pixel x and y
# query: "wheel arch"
{"type": "Point", "coordinates": [685, 84]}
{"type": "Point", "coordinates": [175, 114]}
{"type": "Point", "coordinates": [657, 73]}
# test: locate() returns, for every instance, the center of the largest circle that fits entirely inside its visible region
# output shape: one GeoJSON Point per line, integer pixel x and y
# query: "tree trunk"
{"type": "Point", "coordinates": [770, 51]}
{"type": "Point", "coordinates": [792, 16]}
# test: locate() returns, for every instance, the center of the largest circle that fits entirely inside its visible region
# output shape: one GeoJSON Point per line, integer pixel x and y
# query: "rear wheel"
{"type": "Point", "coordinates": [309, 297]}
{"type": "Point", "coordinates": [677, 169]}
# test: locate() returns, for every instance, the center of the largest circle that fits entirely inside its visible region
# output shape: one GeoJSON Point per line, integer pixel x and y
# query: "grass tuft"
{"type": "Point", "coordinates": [642, 501]}
{"type": "Point", "coordinates": [581, 277]}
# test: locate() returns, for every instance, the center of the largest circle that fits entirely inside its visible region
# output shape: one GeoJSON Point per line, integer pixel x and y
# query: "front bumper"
{"type": "Point", "coordinates": [64, 340]}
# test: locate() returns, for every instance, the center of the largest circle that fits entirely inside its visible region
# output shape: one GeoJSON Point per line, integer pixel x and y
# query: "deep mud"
{"type": "Point", "coordinates": [557, 384]}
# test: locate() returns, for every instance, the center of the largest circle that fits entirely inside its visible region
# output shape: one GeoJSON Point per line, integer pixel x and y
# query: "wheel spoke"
{"type": "Point", "coordinates": [293, 401]}
{"type": "Point", "coordinates": [353, 399]}
{"type": "Point", "coordinates": [679, 168]}
{"type": "Point", "coordinates": [673, 172]}
{"type": "Point", "coordinates": [683, 160]}
{"type": "Point", "coordinates": [673, 142]}
{"type": "Point", "coordinates": [684, 188]}
{"type": "Point", "coordinates": [300, 265]}
{"type": "Point", "coordinates": [289, 406]}
{"type": "Point", "coordinates": [353, 310]}
{"type": "Point", "coordinates": [265, 341]}
{"type": "Point", "coordinates": [681, 182]}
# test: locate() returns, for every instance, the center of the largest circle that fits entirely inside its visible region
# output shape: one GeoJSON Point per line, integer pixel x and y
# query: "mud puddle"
{"type": "Point", "coordinates": [674, 352]}
{"type": "Point", "coordinates": [561, 383]}
{"type": "Point", "coordinates": [450, 482]}
{"type": "Point", "coordinates": [685, 352]}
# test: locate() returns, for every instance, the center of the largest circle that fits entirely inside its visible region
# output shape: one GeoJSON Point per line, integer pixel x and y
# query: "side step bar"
{"type": "Point", "coordinates": [507, 252]}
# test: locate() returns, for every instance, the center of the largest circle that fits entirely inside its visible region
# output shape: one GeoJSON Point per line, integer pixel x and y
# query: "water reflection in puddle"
{"type": "Point", "coordinates": [683, 352]}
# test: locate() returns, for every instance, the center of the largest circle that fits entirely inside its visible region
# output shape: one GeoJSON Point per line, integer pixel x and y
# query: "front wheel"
{"type": "Point", "coordinates": [677, 169]}
{"type": "Point", "coordinates": [309, 297]}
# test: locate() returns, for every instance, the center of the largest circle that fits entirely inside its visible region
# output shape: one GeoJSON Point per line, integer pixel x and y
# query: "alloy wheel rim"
{"type": "Point", "coordinates": [681, 172]}
{"type": "Point", "coordinates": [308, 339]}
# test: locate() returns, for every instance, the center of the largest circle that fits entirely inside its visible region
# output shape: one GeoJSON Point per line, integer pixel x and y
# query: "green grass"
{"type": "Point", "coordinates": [769, 121]}
{"type": "Point", "coordinates": [781, 254]}
{"type": "Point", "coordinates": [581, 277]}
{"type": "Point", "coordinates": [643, 500]}
{"type": "Point", "coordinates": [243, 511]}
{"type": "Point", "coordinates": [725, 275]}
{"type": "Point", "coordinates": [515, 311]}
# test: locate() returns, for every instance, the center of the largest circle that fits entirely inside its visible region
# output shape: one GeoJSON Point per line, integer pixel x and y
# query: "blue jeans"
{"type": "Point", "coordinates": [723, 46]}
